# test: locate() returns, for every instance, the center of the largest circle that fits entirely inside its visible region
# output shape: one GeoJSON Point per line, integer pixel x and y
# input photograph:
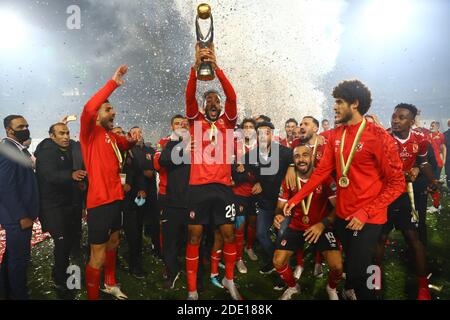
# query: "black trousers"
{"type": "Point", "coordinates": [420, 200]}
{"type": "Point", "coordinates": [133, 224]}
{"type": "Point", "coordinates": [359, 249]}
{"type": "Point", "coordinates": [174, 232]}
{"type": "Point", "coordinates": [64, 225]}
{"type": "Point", "coordinates": [152, 214]}
{"type": "Point", "coordinates": [13, 270]}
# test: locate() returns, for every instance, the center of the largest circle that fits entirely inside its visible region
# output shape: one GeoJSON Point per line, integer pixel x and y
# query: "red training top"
{"type": "Point", "coordinates": [207, 166]}
{"type": "Point", "coordinates": [319, 203]}
{"type": "Point", "coordinates": [376, 176]}
{"type": "Point", "coordinates": [102, 164]}
{"type": "Point", "coordinates": [161, 170]}
{"type": "Point", "coordinates": [437, 140]}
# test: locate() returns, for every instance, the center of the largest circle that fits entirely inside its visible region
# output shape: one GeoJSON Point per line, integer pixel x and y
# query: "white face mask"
{"type": "Point", "coordinates": [139, 201]}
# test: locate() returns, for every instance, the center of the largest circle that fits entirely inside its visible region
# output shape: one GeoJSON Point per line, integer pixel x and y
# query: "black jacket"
{"type": "Point", "coordinates": [270, 173]}
{"type": "Point", "coordinates": [19, 196]}
{"type": "Point", "coordinates": [177, 175]}
{"type": "Point", "coordinates": [144, 157]}
{"type": "Point", "coordinates": [54, 168]}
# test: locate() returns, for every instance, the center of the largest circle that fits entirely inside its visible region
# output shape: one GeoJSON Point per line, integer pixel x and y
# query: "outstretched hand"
{"type": "Point", "coordinates": [120, 72]}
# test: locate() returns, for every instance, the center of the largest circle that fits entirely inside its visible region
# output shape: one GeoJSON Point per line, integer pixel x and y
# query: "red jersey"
{"type": "Point", "coordinates": [97, 146]}
{"type": "Point", "coordinates": [326, 134]}
{"type": "Point", "coordinates": [319, 152]}
{"type": "Point", "coordinates": [376, 176]}
{"type": "Point", "coordinates": [161, 170]}
{"type": "Point", "coordinates": [409, 149]}
{"type": "Point", "coordinates": [244, 189]}
{"type": "Point", "coordinates": [211, 158]}
{"type": "Point", "coordinates": [437, 140]}
{"type": "Point", "coordinates": [290, 144]}
{"type": "Point", "coordinates": [319, 203]}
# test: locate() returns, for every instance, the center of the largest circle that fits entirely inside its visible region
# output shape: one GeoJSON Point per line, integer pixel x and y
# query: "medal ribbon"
{"type": "Point", "coordinates": [345, 167]}
{"type": "Point", "coordinates": [314, 151]}
{"type": "Point", "coordinates": [409, 187]}
{"type": "Point", "coordinates": [213, 132]}
{"type": "Point", "coordinates": [305, 207]}
{"type": "Point", "coordinates": [118, 154]}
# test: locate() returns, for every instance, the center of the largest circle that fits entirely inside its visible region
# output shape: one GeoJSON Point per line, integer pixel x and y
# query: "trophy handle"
{"type": "Point", "coordinates": [205, 41]}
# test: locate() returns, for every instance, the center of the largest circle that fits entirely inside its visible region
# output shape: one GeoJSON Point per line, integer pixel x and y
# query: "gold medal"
{"type": "Point", "coordinates": [305, 220]}
{"type": "Point", "coordinates": [344, 182]}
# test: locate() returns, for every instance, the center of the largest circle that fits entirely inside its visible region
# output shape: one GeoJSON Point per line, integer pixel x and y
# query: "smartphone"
{"type": "Point", "coordinates": [71, 118]}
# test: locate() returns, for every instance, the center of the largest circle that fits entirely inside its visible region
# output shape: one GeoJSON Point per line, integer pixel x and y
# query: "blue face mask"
{"type": "Point", "coordinates": [139, 201]}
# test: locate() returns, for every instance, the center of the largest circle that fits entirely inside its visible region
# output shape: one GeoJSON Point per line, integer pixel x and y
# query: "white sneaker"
{"type": "Point", "coordinates": [251, 254]}
{"type": "Point", "coordinates": [241, 266]}
{"type": "Point", "coordinates": [349, 294]}
{"type": "Point", "coordinates": [298, 272]}
{"type": "Point", "coordinates": [332, 293]}
{"type": "Point", "coordinates": [192, 295]}
{"type": "Point", "coordinates": [231, 287]}
{"type": "Point", "coordinates": [289, 292]}
{"type": "Point", "coordinates": [115, 291]}
{"type": "Point", "coordinates": [432, 209]}
{"type": "Point", "coordinates": [318, 271]}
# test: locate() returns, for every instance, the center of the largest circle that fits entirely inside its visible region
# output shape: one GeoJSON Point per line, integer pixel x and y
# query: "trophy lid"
{"type": "Point", "coordinates": [204, 10]}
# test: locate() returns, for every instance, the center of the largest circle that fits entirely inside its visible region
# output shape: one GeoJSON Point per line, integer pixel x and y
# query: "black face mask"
{"type": "Point", "coordinates": [22, 135]}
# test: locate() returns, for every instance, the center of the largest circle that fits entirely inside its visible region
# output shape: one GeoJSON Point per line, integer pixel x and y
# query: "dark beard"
{"type": "Point", "coordinates": [346, 118]}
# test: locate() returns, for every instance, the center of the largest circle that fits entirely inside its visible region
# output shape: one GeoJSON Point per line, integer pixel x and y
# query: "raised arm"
{"type": "Point", "coordinates": [230, 94]}
{"type": "Point", "coordinates": [89, 116]}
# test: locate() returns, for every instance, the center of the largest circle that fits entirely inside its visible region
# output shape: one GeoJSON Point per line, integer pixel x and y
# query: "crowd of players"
{"type": "Point", "coordinates": [220, 187]}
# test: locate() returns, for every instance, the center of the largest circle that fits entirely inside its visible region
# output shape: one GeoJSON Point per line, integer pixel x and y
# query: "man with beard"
{"type": "Point", "coordinates": [412, 147]}
{"type": "Point", "coordinates": [369, 174]}
{"type": "Point", "coordinates": [310, 223]}
{"type": "Point", "coordinates": [19, 207]}
{"type": "Point", "coordinates": [102, 154]}
{"type": "Point", "coordinates": [60, 215]}
{"type": "Point", "coordinates": [309, 127]}
{"type": "Point", "coordinates": [211, 200]}
{"type": "Point", "coordinates": [269, 163]}
{"type": "Point", "coordinates": [289, 127]}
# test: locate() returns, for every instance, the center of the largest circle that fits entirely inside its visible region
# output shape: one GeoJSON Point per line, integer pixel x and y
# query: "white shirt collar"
{"type": "Point", "coordinates": [402, 141]}
{"type": "Point", "coordinates": [17, 144]}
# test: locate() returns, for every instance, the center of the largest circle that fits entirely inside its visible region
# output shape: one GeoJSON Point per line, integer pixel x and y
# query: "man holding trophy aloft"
{"type": "Point", "coordinates": [210, 196]}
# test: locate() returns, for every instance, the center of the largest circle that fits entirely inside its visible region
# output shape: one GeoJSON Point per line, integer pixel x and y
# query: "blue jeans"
{"type": "Point", "coordinates": [263, 223]}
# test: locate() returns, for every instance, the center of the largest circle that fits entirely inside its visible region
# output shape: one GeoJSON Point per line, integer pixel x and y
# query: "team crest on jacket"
{"type": "Point", "coordinates": [359, 146]}
{"type": "Point", "coordinates": [415, 147]}
{"type": "Point", "coordinates": [283, 243]}
{"type": "Point", "coordinates": [319, 189]}
{"type": "Point", "coordinates": [192, 214]}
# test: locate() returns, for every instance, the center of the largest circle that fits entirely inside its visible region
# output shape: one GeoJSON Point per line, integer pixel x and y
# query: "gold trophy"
{"type": "Point", "coordinates": [205, 71]}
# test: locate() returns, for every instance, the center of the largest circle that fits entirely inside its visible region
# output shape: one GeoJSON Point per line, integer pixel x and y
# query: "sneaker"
{"type": "Point", "coordinates": [267, 269]}
{"type": "Point", "coordinates": [289, 292]}
{"type": "Point", "coordinates": [115, 291]}
{"type": "Point", "coordinates": [170, 281]}
{"type": "Point", "coordinates": [138, 273]}
{"type": "Point", "coordinates": [318, 270]}
{"type": "Point", "coordinates": [241, 266]}
{"type": "Point", "coordinates": [251, 254]}
{"type": "Point", "coordinates": [349, 294]}
{"type": "Point", "coordinates": [231, 287]}
{"type": "Point", "coordinates": [279, 284]}
{"type": "Point", "coordinates": [298, 272]}
{"type": "Point", "coordinates": [332, 293]}
{"type": "Point", "coordinates": [192, 295]}
{"type": "Point", "coordinates": [216, 281]}
{"type": "Point", "coordinates": [424, 294]}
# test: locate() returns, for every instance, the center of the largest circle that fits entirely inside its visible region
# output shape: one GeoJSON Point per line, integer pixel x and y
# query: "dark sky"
{"type": "Point", "coordinates": [60, 68]}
